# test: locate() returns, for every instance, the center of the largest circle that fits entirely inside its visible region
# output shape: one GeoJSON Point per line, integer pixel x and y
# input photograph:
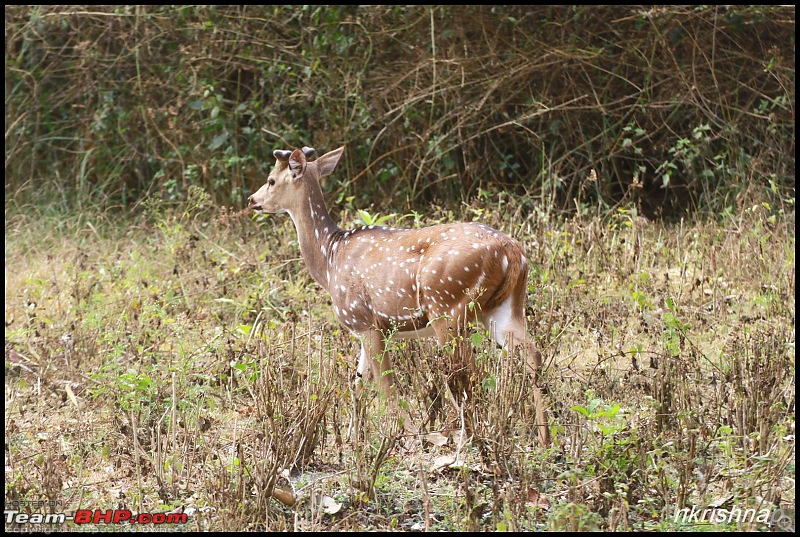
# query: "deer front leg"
{"type": "Point", "coordinates": [461, 360]}
{"type": "Point", "coordinates": [372, 363]}
{"type": "Point", "coordinates": [373, 355]}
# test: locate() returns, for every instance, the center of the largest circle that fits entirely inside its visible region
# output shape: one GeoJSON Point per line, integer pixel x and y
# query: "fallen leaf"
{"type": "Point", "coordinates": [72, 398]}
{"type": "Point", "coordinates": [329, 505]}
{"type": "Point", "coordinates": [721, 501]}
{"type": "Point", "coordinates": [436, 438]}
{"type": "Point", "coordinates": [537, 499]}
{"type": "Point", "coordinates": [447, 461]}
{"type": "Point", "coordinates": [283, 496]}
{"type": "Point", "coordinates": [442, 462]}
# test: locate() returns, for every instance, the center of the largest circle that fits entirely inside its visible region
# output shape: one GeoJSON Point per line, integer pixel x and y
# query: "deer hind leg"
{"type": "Point", "coordinates": [517, 337]}
{"type": "Point", "coordinates": [507, 328]}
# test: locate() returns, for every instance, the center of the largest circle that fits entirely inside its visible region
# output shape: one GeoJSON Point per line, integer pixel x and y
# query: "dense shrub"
{"type": "Point", "coordinates": [582, 107]}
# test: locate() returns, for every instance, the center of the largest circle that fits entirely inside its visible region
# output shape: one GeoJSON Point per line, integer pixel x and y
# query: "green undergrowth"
{"type": "Point", "coordinates": [184, 358]}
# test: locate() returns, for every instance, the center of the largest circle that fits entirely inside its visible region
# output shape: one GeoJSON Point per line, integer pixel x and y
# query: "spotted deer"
{"type": "Point", "coordinates": [410, 282]}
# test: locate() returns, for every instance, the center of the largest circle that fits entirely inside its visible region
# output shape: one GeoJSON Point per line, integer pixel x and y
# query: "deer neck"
{"type": "Point", "coordinates": [316, 232]}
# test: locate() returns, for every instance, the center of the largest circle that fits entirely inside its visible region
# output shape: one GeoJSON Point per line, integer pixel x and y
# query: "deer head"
{"type": "Point", "coordinates": [292, 175]}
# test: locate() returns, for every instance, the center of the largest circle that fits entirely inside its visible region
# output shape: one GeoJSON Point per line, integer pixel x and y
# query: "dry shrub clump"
{"type": "Point", "coordinates": [672, 108]}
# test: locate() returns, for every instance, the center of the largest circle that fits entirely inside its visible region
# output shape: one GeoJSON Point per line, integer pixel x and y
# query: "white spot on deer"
{"type": "Point", "coordinates": [466, 269]}
{"type": "Point", "coordinates": [505, 264]}
{"type": "Point", "coordinates": [343, 288]}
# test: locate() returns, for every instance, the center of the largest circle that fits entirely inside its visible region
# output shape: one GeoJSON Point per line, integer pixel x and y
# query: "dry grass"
{"type": "Point", "coordinates": [188, 360]}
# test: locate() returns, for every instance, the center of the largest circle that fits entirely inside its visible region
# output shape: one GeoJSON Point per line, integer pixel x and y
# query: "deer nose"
{"type": "Point", "coordinates": [251, 203]}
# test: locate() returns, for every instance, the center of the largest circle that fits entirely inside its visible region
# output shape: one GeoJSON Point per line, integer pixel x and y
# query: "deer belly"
{"type": "Point", "coordinates": [396, 309]}
{"type": "Point", "coordinates": [387, 308]}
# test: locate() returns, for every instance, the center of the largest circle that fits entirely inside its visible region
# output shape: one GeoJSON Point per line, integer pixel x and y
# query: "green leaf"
{"type": "Point", "coordinates": [582, 410]}
{"type": "Point", "coordinates": [218, 140]}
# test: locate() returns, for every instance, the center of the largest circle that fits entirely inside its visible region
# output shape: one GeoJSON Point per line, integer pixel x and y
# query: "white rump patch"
{"type": "Point", "coordinates": [500, 321]}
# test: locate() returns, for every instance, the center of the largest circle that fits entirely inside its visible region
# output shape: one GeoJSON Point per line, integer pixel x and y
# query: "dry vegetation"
{"type": "Point", "coordinates": [166, 351]}
{"type": "Point", "coordinates": [190, 361]}
{"type": "Point", "coordinates": [677, 108]}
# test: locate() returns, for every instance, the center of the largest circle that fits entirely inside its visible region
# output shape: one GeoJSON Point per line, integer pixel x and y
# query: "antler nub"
{"type": "Point", "coordinates": [282, 154]}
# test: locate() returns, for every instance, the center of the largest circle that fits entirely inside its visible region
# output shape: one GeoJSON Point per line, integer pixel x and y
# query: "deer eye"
{"type": "Point", "coordinates": [271, 182]}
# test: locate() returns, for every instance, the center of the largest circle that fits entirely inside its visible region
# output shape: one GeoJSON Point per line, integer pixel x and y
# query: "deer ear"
{"type": "Point", "coordinates": [327, 162]}
{"type": "Point", "coordinates": [297, 164]}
